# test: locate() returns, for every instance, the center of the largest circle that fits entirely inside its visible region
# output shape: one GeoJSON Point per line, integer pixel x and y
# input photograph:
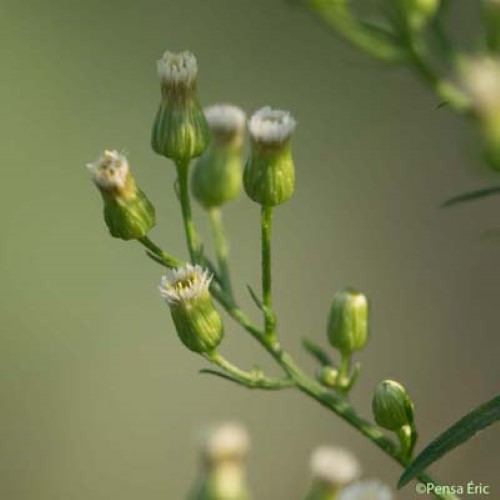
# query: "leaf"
{"type": "Point", "coordinates": [223, 375]}
{"type": "Point", "coordinates": [471, 196]}
{"type": "Point", "coordinates": [317, 352]}
{"type": "Point", "coordinates": [256, 299]}
{"type": "Point", "coordinates": [478, 419]}
{"type": "Point", "coordinates": [157, 259]}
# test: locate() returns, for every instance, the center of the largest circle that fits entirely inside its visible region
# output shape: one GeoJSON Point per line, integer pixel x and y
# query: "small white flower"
{"type": "Point", "coordinates": [229, 440]}
{"type": "Point", "coordinates": [177, 69]}
{"type": "Point", "coordinates": [335, 466]}
{"type": "Point", "coordinates": [366, 490]}
{"type": "Point", "coordinates": [225, 118]}
{"type": "Point", "coordinates": [110, 170]}
{"type": "Point", "coordinates": [187, 283]}
{"type": "Point", "coordinates": [481, 80]}
{"type": "Point", "coordinates": [271, 125]}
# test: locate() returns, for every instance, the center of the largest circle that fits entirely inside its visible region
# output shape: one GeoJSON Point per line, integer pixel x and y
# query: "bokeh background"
{"type": "Point", "coordinates": [99, 400]}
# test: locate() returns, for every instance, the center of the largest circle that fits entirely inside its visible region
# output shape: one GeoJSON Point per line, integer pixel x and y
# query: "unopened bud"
{"type": "Point", "coordinates": [391, 405]}
{"type": "Point", "coordinates": [413, 15]}
{"type": "Point", "coordinates": [127, 211]}
{"type": "Point", "coordinates": [196, 320]}
{"type": "Point", "coordinates": [269, 176]}
{"type": "Point", "coordinates": [348, 321]}
{"type": "Point", "coordinates": [180, 130]}
{"type": "Point", "coordinates": [217, 173]}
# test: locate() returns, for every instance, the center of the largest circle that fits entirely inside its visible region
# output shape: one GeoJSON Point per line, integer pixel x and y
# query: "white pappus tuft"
{"type": "Point", "coordinates": [187, 283]}
{"type": "Point", "coordinates": [229, 440]}
{"type": "Point", "coordinates": [225, 118]}
{"type": "Point", "coordinates": [177, 68]}
{"type": "Point", "coordinates": [481, 80]}
{"type": "Point", "coordinates": [366, 490]}
{"type": "Point", "coordinates": [269, 125]}
{"type": "Point", "coordinates": [335, 466]}
{"type": "Point", "coordinates": [110, 170]}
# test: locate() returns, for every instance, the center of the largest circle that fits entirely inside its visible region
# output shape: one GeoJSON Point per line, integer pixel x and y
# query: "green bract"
{"type": "Point", "coordinates": [391, 405]}
{"type": "Point", "coordinates": [128, 218]}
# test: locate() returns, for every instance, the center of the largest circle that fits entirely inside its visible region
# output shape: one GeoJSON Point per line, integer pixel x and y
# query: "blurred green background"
{"type": "Point", "coordinates": [99, 400]}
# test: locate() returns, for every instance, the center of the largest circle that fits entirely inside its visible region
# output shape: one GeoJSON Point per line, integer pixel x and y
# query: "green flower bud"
{"type": "Point", "coordinates": [480, 78]}
{"type": "Point", "coordinates": [328, 376]}
{"type": "Point", "coordinates": [391, 405]}
{"type": "Point", "coordinates": [196, 320]}
{"type": "Point", "coordinates": [128, 213]}
{"type": "Point", "coordinates": [180, 130]}
{"type": "Point", "coordinates": [217, 173]}
{"type": "Point", "coordinates": [348, 321]}
{"type": "Point", "coordinates": [269, 176]}
{"type": "Point", "coordinates": [332, 468]}
{"type": "Point", "coordinates": [223, 476]}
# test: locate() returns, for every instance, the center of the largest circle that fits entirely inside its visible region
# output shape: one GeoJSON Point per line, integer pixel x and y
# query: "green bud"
{"type": "Point", "coordinates": [348, 321]}
{"type": "Point", "coordinates": [223, 476]}
{"type": "Point", "coordinates": [196, 320]}
{"type": "Point", "coordinates": [180, 130]}
{"type": "Point", "coordinates": [391, 405]}
{"type": "Point", "coordinates": [128, 213]}
{"type": "Point", "coordinates": [217, 173]}
{"type": "Point", "coordinates": [328, 376]}
{"type": "Point", "coordinates": [269, 176]}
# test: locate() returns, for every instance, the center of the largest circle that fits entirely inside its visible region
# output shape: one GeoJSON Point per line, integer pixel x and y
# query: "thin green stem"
{"type": "Point", "coordinates": [221, 247]}
{"type": "Point", "coordinates": [154, 249]}
{"type": "Point", "coordinates": [189, 228]}
{"type": "Point", "coordinates": [252, 379]}
{"type": "Point", "coordinates": [265, 224]}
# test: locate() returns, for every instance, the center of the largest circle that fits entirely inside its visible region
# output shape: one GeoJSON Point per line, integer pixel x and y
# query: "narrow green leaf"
{"type": "Point", "coordinates": [471, 196]}
{"type": "Point", "coordinates": [478, 419]}
{"type": "Point", "coordinates": [223, 375]}
{"type": "Point", "coordinates": [256, 299]}
{"type": "Point", "coordinates": [317, 352]}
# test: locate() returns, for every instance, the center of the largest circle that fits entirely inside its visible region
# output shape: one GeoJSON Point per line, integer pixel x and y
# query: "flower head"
{"type": "Point", "coordinates": [229, 441]}
{"type": "Point", "coordinates": [187, 283]}
{"type": "Point", "coordinates": [128, 213]}
{"type": "Point", "coordinates": [270, 126]}
{"type": "Point", "coordinates": [366, 490]}
{"type": "Point", "coordinates": [334, 466]}
{"type": "Point", "coordinates": [481, 80]}
{"type": "Point", "coordinates": [110, 171]}
{"type": "Point", "coordinates": [196, 320]}
{"type": "Point", "coordinates": [177, 68]}
{"type": "Point", "coordinates": [391, 405]}
{"type": "Point", "coordinates": [225, 119]}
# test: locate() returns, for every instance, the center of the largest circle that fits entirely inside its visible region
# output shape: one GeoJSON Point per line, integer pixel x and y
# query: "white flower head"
{"type": "Point", "coordinates": [270, 126]}
{"type": "Point", "coordinates": [110, 170]}
{"type": "Point", "coordinates": [225, 118]}
{"type": "Point", "coordinates": [228, 441]}
{"type": "Point", "coordinates": [187, 283]}
{"type": "Point", "coordinates": [481, 80]}
{"type": "Point", "coordinates": [177, 68]}
{"type": "Point", "coordinates": [335, 466]}
{"type": "Point", "coordinates": [366, 490]}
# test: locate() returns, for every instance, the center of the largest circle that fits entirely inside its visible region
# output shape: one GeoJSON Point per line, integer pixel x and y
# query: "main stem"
{"type": "Point", "coordinates": [265, 224]}
{"type": "Point", "coordinates": [191, 236]}
{"type": "Point", "coordinates": [221, 247]}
